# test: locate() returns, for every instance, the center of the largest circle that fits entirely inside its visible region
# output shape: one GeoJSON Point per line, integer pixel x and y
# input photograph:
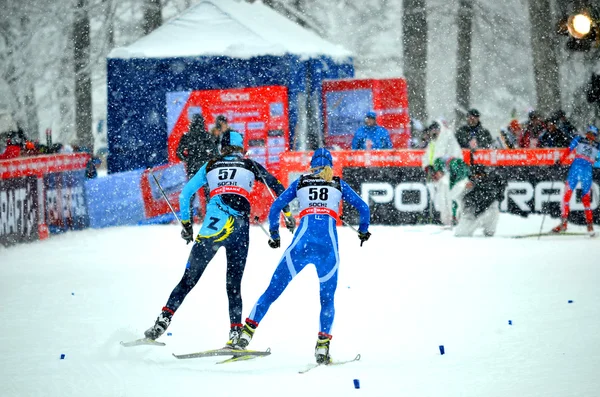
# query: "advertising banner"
{"type": "Point", "coordinates": [259, 113]}
{"type": "Point", "coordinates": [18, 210]}
{"type": "Point", "coordinates": [394, 184]}
{"type": "Point", "coordinates": [347, 101]}
{"type": "Point", "coordinates": [66, 207]}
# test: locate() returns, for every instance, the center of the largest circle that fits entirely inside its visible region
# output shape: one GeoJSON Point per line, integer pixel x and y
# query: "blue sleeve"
{"type": "Point", "coordinates": [358, 142]}
{"type": "Point", "coordinates": [189, 189]}
{"type": "Point", "coordinates": [597, 163]}
{"type": "Point", "coordinates": [282, 201]}
{"type": "Point", "coordinates": [574, 143]}
{"type": "Point", "coordinates": [350, 196]}
{"type": "Point", "coordinates": [386, 141]}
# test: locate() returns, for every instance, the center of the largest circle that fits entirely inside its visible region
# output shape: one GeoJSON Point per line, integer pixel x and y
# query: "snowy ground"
{"type": "Point", "coordinates": [404, 293]}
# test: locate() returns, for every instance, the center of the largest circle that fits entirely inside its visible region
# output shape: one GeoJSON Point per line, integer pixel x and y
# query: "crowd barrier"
{"type": "Point", "coordinates": [45, 195]}
{"type": "Point", "coordinates": [42, 195]}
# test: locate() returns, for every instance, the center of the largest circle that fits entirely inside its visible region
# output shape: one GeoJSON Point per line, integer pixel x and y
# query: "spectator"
{"type": "Point", "coordinates": [480, 204]}
{"type": "Point", "coordinates": [370, 135]}
{"type": "Point", "coordinates": [450, 175]}
{"type": "Point", "coordinates": [553, 136]}
{"type": "Point", "coordinates": [441, 145]}
{"type": "Point", "coordinates": [473, 135]}
{"type": "Point", "coordinates": [195, 148]}
{"type": "Point", "coordinates": [532, 131]}
{"type": "Point", "coordinates": [221, 125]}
{"type": "Point", "coordinates": [14, 145]}
{"type": "Point", "coordinates": [564, 124]}
{"type": "Point", "coordinates": [511, 135]}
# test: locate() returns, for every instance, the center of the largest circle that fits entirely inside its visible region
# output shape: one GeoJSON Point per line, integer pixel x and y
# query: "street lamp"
{"type": "Point", "coordinates": [583, 30]}
{"type": "Point", "coordinates": [580, 25]}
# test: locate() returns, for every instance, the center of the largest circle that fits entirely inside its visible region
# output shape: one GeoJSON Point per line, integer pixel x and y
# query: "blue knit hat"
{"type": "Point", "coordinates": [321, 158]}
{"type": "Point", "coordinates": [232, 138]}
{"type": "Point", "coordinates": [371, 115]}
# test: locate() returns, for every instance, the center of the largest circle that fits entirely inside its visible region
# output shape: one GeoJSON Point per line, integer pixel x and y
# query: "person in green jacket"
{"type": "Point", "coordinates": [451, 175]}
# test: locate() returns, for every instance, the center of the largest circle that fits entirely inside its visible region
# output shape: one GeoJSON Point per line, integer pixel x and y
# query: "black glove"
{"type": "Point", "coordinates": [274, 241]}
{"type": "Point", "coordinates": [290, 221]}
{"type": "Point", "coordinates": [363, 237]}
{"type": "Point", "coordinates": [188, 231]}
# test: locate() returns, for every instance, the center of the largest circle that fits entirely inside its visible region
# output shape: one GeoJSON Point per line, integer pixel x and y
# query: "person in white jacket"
{"type": "Point", "coordinates": [443, 144]}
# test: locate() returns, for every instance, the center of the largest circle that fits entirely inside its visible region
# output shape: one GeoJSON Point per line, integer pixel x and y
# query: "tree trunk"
{"type": "Point", "coordinates": [83, 82]}
{"type": "Point", "coordinates": [545, 64]}
{"type": "Point", "coordinates": [414, 24]}
{"type": "Point", "coordinates": [463, 59]}
{"type": "Point", "coordinates": [152, 15]}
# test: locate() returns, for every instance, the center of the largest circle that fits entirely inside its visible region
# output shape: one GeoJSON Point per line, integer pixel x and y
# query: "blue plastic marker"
{"type": "Point", "coordinates": [509, 322]}
{"type": "Point", "coordinates": [62, 356]}
{"type": "Point", "coordinates": [169, 334]}
{"type": "Point", "coordinates": [570, 301]}
{"type": "Point", "coordinates": [356, 384]}
{"type": "Point", "coordinates": [442, 350]}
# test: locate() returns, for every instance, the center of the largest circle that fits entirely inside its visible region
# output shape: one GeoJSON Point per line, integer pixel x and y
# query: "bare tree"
{"type": "Point", "coordinates": [152, 15]}
{"type": "Point", "coordinates": [83, 82]}
{"type": "Point", "coordinates": [544, 44]}
{"type": "Point", "coordinates": [463, 60]}
{"type": "Point", "coordinates": [414, 22]}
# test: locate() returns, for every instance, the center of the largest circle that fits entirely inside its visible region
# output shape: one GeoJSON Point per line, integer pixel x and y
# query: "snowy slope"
{"type": "Point", "coordinates": [404, 293]}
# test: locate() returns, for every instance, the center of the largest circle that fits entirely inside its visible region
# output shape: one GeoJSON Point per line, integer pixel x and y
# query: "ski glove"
{"type": "Point", "coordinates": [274, 241]}
{"type": "Point", "coordinates": [188, 231]}
{"type": "Point", "coordinates": [290, 221]}
{"type": "Point", "coordinates": [363, 236]}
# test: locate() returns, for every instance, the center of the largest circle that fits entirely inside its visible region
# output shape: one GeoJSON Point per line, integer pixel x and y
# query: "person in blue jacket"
{"type": "Point", "coordinates": [587, 150]}
{"type": "Point", "coordinates": [319, 194]}
{"type": "Point", "coordinates": [230, 178]}
{"type": "Point", "coordinates": [370, 135]}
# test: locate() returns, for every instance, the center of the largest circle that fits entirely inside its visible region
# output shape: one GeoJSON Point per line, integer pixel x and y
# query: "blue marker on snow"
{"type": "Point", "coordinates": [442, 350]}
{"type": "Point", "coordinates": [62, 356]}
{"type": "Point", "coordinates": [169, 334]}
{"type": "Point", "coordinates": [509, 322]}
{"type": "Point", "coordinates": [570, 301]}
{"type": "Point", "coordinates": [356, 384]}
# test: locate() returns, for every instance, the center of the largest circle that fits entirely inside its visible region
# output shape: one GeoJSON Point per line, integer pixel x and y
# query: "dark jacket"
{"type": "Point", "coordinates": [195, 148]}
{"type": "Point", "coordinates": [486, 189]}
{"type": "Point", "coordinates": [556, 138]}
{"type": "Point", "coordinates": [466, 133]}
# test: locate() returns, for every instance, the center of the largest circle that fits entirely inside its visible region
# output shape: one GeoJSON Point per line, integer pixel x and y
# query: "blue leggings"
{"type": "Point", "coordinates": [315, 242]}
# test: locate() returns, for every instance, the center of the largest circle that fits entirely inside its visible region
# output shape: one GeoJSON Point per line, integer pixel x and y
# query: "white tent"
{"type": "Point", "coordinates": [231, 28]}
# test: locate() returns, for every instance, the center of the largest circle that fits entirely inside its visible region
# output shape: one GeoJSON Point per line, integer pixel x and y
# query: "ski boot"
{"type": "Point", "coordinates": [234, 336]}
{"type": "Point", "coordinates": [246, 336]}
{"type": "Point", "coordinates": [562, 227]}
{"type": "Point", "coordinates": [322, 349]}
{"type": "Point", "coordinates": [590, 230]}
{"type": "Point", "coordinates": [160, 326]}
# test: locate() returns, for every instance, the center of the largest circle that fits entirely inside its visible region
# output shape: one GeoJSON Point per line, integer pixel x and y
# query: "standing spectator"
{"type": "Point", "coordinates": [450, 174]}
{"type": "Point", "coordinates": [564, 124]}
{"type": "Point", "coordinates": [533, 129]}
{"type": "Point", "coordinates": [511, 135]}
{"type": "Point", "coordinates": [221, 125]}
{"type": "Point", "coordinates": [15, 143]}
{"type": "Point", "coordinates": [370, 135]}
{"type": "Point", "coordinates": [553, 136]}
{"type": "Point", "coordinates": [442, 144]}
{"type": "Point", "coordinates": [473, 135]}
{"type": "Point", "coordinates": [480, 204]}
{"type": "Point", "coordinates": [195, 148]}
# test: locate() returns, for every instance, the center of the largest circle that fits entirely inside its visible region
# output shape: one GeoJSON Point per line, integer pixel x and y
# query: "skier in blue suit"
{"type": "Point", "coordinates": [230, 178]}
{"type": "Point", "coordinates": [319, 194]}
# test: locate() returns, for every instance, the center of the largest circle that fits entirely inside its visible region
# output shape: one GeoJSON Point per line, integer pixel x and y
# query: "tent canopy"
{"type": "Point", "coordinates": [216, 44]}
{"type": "Point", "coordinates": [235, 29]}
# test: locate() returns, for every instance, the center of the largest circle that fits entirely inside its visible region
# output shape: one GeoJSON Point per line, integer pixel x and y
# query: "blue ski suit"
{"type": "Point", "coordinates": [315, 241]}
{"type": "Point", "coordinates": [226, 224]}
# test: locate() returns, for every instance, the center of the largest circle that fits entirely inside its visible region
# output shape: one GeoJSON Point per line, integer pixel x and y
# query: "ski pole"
{"type": "Point", "coordinates": [164, 195]}
{"type": "Point", "coordinates": [256, 219]}
{"type": "Point", "coordinates": [544, 216]}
